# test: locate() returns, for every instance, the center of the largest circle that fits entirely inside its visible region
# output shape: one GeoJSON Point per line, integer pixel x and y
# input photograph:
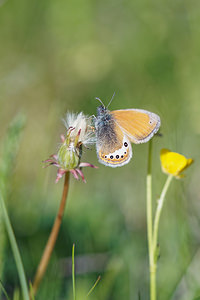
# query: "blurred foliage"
{"type": "Point", "coordinates": [59, 55]}
{"type": "Point", "coordinates": [8, 156]}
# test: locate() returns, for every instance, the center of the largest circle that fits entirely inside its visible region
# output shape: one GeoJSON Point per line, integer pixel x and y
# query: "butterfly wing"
{"type": "Point", "coordinates": [117, 158]}
{"type": "Point", "coordinates": [113, 147]}
{"type": "Point", "coordinates": [137, 124]}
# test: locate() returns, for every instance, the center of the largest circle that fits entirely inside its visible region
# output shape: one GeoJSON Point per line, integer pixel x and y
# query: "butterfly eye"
{"type": "Point", "coordinates": [125, 144]}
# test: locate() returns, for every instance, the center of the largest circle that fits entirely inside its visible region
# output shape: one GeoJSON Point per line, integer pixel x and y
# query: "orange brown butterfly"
{"type": "Point", "coordinates": [115, 130]}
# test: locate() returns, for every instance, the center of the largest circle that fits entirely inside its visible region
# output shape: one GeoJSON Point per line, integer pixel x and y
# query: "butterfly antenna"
{"type": "Point", "coordinates": [100, 101]}
{"type": "Point", "coordinates": [111, 100]}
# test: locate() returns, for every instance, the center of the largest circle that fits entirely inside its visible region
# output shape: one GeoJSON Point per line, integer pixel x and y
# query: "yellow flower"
{"type": "Point", "coordinates": [174, 163]}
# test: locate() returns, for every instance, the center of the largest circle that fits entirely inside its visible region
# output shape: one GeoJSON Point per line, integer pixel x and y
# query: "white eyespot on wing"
{"type": "Point", "coordinates": [119, 157]}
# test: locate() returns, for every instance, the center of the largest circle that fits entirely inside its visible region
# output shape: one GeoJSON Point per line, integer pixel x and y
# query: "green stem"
{"type": "Point", "coordinates": [4, 290]}
{"type": "Point", "coordinates": [153, 281]}
{"type": "Point", "coordinates": [150, 225]}
{"type": "Point", "coordinates": [153, 247]}
{"type": "Point", "coordinates": [95, 284]}
{"type": "Point", "coordinates": [15, 250]}
{"type": "Point", "coordinates": [149, 198]}
{"type": "Point", "coordinates": [73, 273]}
{"type": "Point", "coordinates": [159, 210]}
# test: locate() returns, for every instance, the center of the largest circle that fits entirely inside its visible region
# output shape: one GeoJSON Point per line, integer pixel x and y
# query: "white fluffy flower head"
{"type": "Point", "coordinates": [80, 125]}
{"type": "Point", "coordinates": [79, 132]}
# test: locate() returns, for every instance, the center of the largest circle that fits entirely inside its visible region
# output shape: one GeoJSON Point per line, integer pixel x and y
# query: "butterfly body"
{"type": "Point", "coordinates": [115, 130]}
{"type": "Point", "coordinates": [105, 128]}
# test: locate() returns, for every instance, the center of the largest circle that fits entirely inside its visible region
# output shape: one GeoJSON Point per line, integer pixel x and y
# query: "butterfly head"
{"type": "Point", "coordinates": [101, 110]}
{"type": "Point", "coordinates": [103, 117]}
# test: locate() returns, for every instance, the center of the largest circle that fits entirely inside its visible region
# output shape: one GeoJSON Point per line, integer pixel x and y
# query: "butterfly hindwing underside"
{"type": "Point", "coordinates": [120, 156]}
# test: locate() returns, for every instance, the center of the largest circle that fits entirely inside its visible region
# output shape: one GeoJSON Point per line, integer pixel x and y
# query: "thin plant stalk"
{"type": "Point", "coordinates": [16, 294]}
{"type": "Point", "coordinates": [154, 254]}
{"type": "Point", "coordinates": [7, 161]}
{"type": "Point", "coordinates": [73, 274]}
{"type": "Point", "coordinates": [150, 225]}
{"type": "Point", "coordinates": [4, 290]}
{"type": "Point", "coordinates": [94, 285]}
{"type": "Point", "coordinates": [32, 296]}
{"type": "Point", "coordinates": [159, 210]}
{"type": "Point", "coordinates": [52, 238]}
{"type": "Point", "coordinates": [152, 228]}
{"type": "Point", "coordinates": [15, 250]}
{"type": "Point", "coordinates": [149, 195]}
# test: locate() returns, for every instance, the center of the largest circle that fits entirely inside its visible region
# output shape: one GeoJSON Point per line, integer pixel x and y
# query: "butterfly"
{"type": "Point", "coordinates": [115, 130]}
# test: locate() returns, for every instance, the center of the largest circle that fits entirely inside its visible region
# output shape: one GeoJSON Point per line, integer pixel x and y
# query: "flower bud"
{"type": "Point", "coordinates": [69, 154]}
{"type": "Point", "coordinates": [79, 132]}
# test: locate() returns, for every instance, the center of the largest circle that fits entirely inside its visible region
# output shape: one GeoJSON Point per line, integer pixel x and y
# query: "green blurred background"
{"type": "Point", "coordinates": [57, 56]}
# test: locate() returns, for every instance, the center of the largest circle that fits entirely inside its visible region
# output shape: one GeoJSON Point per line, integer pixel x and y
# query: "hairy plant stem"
{"type": "Point", "coordinates": [52, 238]}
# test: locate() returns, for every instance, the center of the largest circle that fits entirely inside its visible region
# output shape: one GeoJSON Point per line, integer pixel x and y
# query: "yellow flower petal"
{"type": "Point", "coordinates": [174, 163]}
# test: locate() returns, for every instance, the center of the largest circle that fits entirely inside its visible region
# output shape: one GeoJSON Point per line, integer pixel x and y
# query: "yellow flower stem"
{"type": "Point", "coordinates": [149, 224]}
{"type": "Point", "coordinates": [158, 213]}
{"type": "Point", "coordinates": [52, 238]}
{"type": "Point", "coordinates": [153, 247]}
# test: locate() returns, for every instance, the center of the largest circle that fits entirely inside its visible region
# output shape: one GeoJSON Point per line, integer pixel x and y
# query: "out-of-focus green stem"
{"type": "Point", "coordinates": [152, 228]}
{"type": "Point", "coordinates": [3, 290]}
{"type": "Point", "coordinates": [152, 265]}
{"type": "Point", "coordinates": [15, 250]}
{"type": "Point", "coordinates": [2, 244]}
{"type": "Point", "coordinates": [159, 210]}
{"type": "Point", "coordinates": [9, 151]}
{"type": "Point", "coordinates": [94, 285]}
{"type": "Point", "coordinates": [149, 198]}
{"type": "Point", "coordinates": [73, 274]}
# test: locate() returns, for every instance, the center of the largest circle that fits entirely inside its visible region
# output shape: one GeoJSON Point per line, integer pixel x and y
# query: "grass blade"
{"type": "Point", "coordinates": [95, 284]}
{"type": "Point", "coordinates": [31, 291]}
{"type": "Point", "coordinates": [15, 250]}
{"type": "Point", "coordinates": [4, 290]}
{"type": "Point", "coordinates": [8, 154]}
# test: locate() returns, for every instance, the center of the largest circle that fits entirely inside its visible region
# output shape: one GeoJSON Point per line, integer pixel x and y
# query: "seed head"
{"type": "Point", "coordinates": [79, 133]}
